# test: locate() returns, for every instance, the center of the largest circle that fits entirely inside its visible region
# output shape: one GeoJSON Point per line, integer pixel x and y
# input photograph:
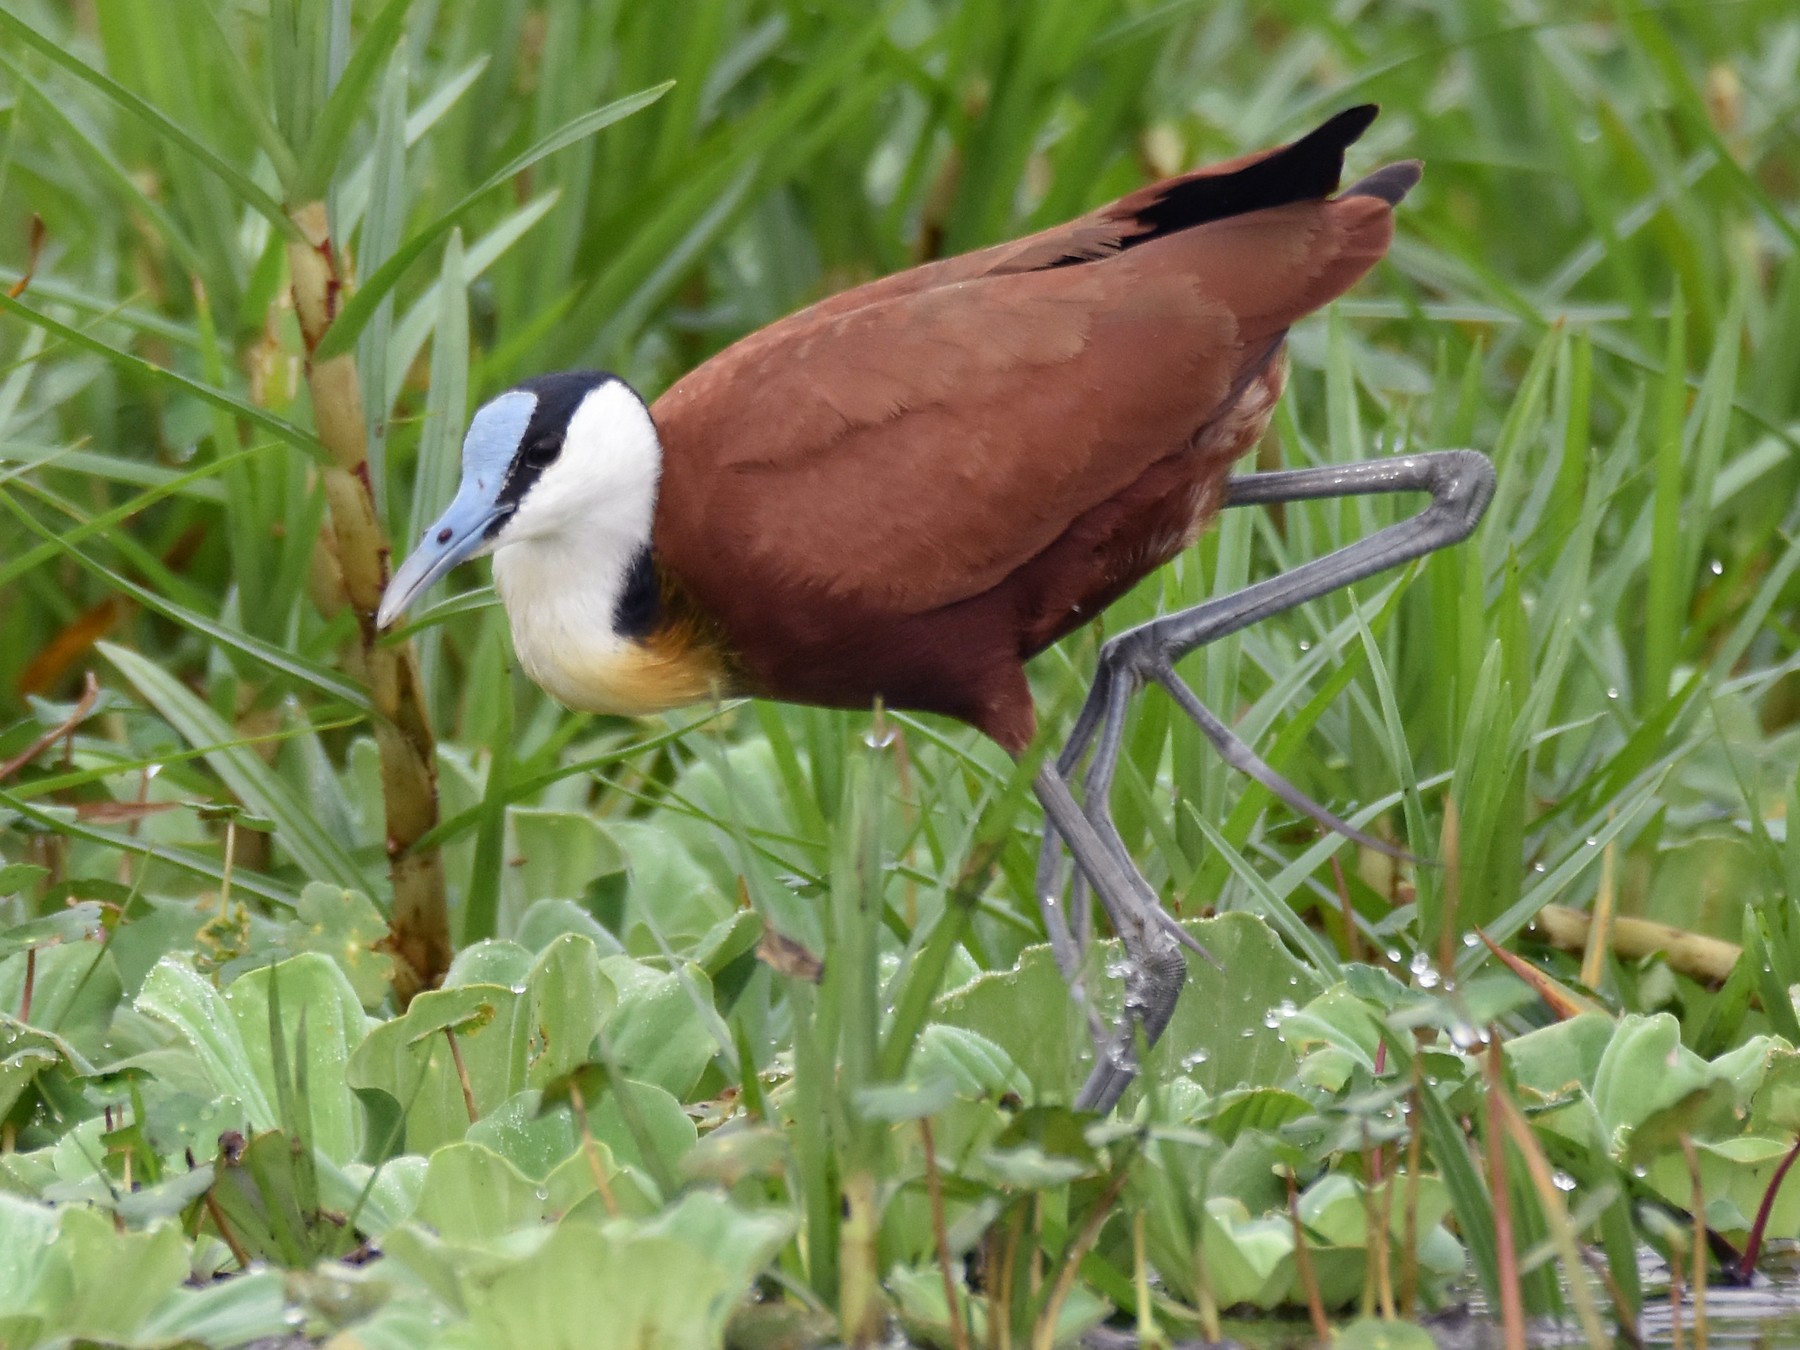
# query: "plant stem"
{"type": "Point", "coordinates": [462, 1075]}
{"type": "Point", "coordinates": [1699, 1208]}
{"type": "Point", "coordinates": [1303, 1266]}
{"type": "Point", "coordinates": [1512, 1307]}
{"type": "Point", "coordinates": [1409, 1241]}
{"type": "Point", "coordinates": [419, 925]}
{"type": "Point", "coordinates": [959, 1335]}
{"type": "Point", "coordinates": [591, 1152]}
{"type": "Point", "coordinates": [1753, 1247]}
{"type": "Point", "coordinates": [859, 1298]}
{"type": "Point", "coordinates": [1045, 1336]}
{"type": "Point", "coordinates": [1593, 960]}
{"type": "Point", "coordinates": [30, 984]}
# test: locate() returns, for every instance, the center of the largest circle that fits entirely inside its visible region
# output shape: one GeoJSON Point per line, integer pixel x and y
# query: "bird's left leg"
{"type": "Point", "coordinates": [1460, 483]}
{"type": "Point", "coordinates": [1155, 966]}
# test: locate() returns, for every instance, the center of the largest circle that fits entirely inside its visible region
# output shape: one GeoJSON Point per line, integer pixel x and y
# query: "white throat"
{"type": "Point", "coordinates": [562, 561]}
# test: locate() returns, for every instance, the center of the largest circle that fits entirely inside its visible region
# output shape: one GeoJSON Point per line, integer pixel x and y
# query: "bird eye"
{"type": "Point", "coordinates": [540, 452]}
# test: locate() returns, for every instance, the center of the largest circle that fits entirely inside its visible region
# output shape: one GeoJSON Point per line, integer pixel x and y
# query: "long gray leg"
{"type": "Point", "coordinates": [1155, 967]}
{"type": "Point", "coordinates": [1460, 482]}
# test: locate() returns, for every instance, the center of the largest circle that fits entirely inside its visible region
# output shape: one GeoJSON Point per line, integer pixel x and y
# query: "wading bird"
{"type": "Point", "coordinates": [905, 491]}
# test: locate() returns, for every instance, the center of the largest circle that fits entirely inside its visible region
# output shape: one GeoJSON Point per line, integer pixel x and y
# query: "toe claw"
{"type": "Point", "coordinates": [1187, 939]}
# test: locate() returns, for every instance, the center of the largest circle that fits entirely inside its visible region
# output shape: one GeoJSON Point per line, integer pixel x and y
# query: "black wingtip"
{"type": "Point", "coordinates": [1306, 170]}
{"type": "Point", "coordinates": [1345, 128]}
{"type": "Point", "coordinates": [1312, 165]}
{"type": "Point", "coordinates": [1390, 182]}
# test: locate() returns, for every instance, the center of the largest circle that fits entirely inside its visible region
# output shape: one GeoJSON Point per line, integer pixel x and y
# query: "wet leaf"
{"type": "Point", "coordinates": [409, 1059]}
{"type": "Point", "coordinates": [345, 926]}
{"type": "Point", "coordinates": [1221, 1034]}
{"type": "Point", "coordinates": [658, 1033]}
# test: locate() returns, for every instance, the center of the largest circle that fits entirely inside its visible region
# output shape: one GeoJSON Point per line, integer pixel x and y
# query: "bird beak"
{"type": "Point", "coordinates": [461, 532]}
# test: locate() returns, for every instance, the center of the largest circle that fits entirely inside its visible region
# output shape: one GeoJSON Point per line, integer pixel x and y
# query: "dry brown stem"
{"type": "Point", "coordinates": [1704, 958]}
{"type": "Point", "coordinates": [419, 928]}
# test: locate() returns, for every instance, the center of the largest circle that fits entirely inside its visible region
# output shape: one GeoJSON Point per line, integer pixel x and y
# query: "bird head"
{"type": "Point", "coordinates": [571, 458]}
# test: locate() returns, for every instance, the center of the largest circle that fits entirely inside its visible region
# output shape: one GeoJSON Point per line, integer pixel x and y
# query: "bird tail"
{"type": "Point", "coordinates": [1390, 182]}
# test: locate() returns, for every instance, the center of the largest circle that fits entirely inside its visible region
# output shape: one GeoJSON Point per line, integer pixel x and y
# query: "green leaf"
{"type": "Point", "coordinates": [27, 1253]}
{"type": "Point", "coordinates": [556, 854]}
{"type": "Point", "coordinates": [228, 1032]}
{"type": "Point", "coordinates": [1219, 1035]}
{"type": "Point", "coordinates": [158, 124]}
{"type": "Point", "coordinates": [244, 772]}
{"type": "Point", "coordinates": [245, 1308]}
{"type": "Point", "coordinates": [570, 999]}
{"type": "Point", "coordinates": [28, 1053]}
{"type": "Point", "coordinates": [72, 1270]}
{"type": "Point", "coordinates": [345, 926]}
{"type": "Point", "coordinates": [344, 107]}
{"type": "Point", "coordinates": [654, 1033]}
{"type": "Point", "coordinates": [1368, 1333]}
{"type": "Point", "coordinates": [342, 334]}
{"type": "Point", "coordinates": [73, 924]}
{"type": "Point", "coordinates": [471, 1193]}
{"type": "Point", "coordinates": [277, 427]}
{"type": "Point", "coordinates": [657, 1285]}
{"type": "Point", "coordinates": [16, 878]}
{"type": "Point", "coordinates": [324, 1021]}
{"type": "Point", "coordinates": [531, 1139]}
{"type": "Point", "coordinates": [119, 1278]}
{"type": "Point", "coordinates": [187, 1001]}
{"type": "Point", "coordinates": [410, 1060]}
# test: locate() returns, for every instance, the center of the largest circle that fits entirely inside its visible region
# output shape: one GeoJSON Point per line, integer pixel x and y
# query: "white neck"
{"type": "Point", "coordinates": [560, 596]}
{"type": "Point", "coordinates": [562, 562]}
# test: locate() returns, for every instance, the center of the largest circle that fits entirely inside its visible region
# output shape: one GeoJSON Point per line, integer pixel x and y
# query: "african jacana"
{"type": "Point", "coordinates": [905, 491]}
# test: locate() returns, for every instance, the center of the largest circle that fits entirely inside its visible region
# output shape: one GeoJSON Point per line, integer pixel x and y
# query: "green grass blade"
{"type": "Point", "coordinates": [347, 101]}
{"type": "Point", "coordinates": [277, 427]}
{"type": "Point", "coordinates": [1269, 903]}
{"type": "Point", "coordinates": [320, 856]}
{"type": "Point", "coordinates": [246, 97]}
{"type": "Point", "coordinates": [382, 227]}
{"type": "Point", "coordinates": [355, 315]}
{"type": "Point", "coordinates": [415, 326]}
{"type": "Point", "coordinates": [1449, 1150]}
{"type": "Point", "coordinates": [155, 121]}
{"type": "Point", "coordinates": [167, 486]}
{"type": "Point", "coordinates": [46, 104]}
{"type": "Point", "coordinates": [130, 845]}
{"type": "Point", "coordinates": [1666, 598]}
{"type": "Point", "coordinates": [276, 658]}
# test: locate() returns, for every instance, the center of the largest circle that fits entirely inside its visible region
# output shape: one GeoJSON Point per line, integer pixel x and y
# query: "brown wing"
{"type": "Point", "coordinates": [914, 451]}
{"type": "Point", "coordinates": [1306, 170]}
{"type": "Point", "coordinates": [846, 493]}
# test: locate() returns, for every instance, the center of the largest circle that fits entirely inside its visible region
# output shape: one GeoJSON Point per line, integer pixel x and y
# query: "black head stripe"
{"type": "Point", "coordinates": [557, 398]}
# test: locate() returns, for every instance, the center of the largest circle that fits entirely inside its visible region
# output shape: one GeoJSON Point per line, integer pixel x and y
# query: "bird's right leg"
{"type": "Point", "coordinates": [1460, 483]}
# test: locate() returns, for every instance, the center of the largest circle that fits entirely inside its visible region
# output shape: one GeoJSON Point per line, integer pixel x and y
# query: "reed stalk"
{"type": "Point", "coordinates": [419, 924]}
